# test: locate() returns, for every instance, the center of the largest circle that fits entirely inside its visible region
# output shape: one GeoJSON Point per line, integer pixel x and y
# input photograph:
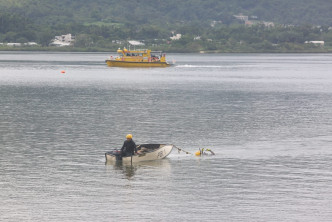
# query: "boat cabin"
{"type": "Point", "coordinates": [140, 55]}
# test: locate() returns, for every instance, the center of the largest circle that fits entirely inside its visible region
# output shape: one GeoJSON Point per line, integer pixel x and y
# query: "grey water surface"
{"type": "Point", "coordinates": [268, 118]}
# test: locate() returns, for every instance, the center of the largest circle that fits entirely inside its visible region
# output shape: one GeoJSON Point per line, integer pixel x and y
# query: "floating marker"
{"type": "Point", "coordinates": [63, 71]}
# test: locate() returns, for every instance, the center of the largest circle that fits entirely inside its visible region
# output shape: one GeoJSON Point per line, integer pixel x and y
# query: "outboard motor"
{"type": "Point", "coordinates": [116, 153]}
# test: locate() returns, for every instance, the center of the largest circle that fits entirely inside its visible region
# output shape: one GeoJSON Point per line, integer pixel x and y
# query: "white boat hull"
{"type": "Point", "coordinates": [151, 154]}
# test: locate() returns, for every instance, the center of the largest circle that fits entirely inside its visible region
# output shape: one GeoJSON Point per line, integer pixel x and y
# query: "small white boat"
{"type": "Point", "coordinates": [146, 152]}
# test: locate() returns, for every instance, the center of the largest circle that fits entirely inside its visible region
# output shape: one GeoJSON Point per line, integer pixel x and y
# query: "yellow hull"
{"type": "Point", "coordinates": [115, 63]}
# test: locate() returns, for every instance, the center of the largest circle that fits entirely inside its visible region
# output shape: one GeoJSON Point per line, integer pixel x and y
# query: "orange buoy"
{"type": "Point", "coordinates": [63, 71]}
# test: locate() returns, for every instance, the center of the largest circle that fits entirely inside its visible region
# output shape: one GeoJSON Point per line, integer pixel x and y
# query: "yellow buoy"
{"type": "Point", "coordinates": [198, 153]}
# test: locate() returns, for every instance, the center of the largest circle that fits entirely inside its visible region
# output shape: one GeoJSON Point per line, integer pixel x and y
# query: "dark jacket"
{"type": "Point", "coordinates": [129, 147]}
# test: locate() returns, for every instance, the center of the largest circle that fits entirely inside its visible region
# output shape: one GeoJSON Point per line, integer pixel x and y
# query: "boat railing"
{"type": "Point", "coordinates": [143, 50]}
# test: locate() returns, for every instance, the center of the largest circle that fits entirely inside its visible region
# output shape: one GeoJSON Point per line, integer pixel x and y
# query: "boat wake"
{"type": "Point", "coordinates": [198, 66]}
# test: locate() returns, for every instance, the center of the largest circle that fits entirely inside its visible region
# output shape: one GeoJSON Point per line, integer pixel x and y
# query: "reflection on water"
{"type": "Point", "coordinates": [129, 170]}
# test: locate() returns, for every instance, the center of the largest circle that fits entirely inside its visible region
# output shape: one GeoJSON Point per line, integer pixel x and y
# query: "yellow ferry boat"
{"type": "Point", "coordinates": [138, 58]}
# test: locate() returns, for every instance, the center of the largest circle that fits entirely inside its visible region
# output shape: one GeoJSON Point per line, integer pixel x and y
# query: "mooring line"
{"type": "Point", "coordinates": [179, 149]}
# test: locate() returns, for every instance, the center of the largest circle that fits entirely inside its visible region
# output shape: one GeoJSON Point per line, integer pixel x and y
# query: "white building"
{"type": "Point", "coordinates": [14, 44]}
{"type": "Point", "coordinates": [63, 40]}
{"type": "Point", "coordinates": [321, 43]}
{"type": "Point", "coordinates": [134, 42]}
{"type": "Point", "coordinates": [176, 37]}
{"type": "Point", "coordinates": [31, 43]}
{"type": "Point", "coordinates": [242, 17]}
{"type": "Point", "coordinates": [214, 23]}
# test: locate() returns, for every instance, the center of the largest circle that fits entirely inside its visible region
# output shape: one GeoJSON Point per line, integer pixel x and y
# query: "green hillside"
{"type": "Point", "coordinates": [316, 12]}
{"type": "Point", "coordinates": [96, 23]}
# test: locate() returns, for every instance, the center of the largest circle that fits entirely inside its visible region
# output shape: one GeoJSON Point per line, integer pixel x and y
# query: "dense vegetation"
{"type": "Point", "coordinates": [96, 23]}
{"type": "Point", "coordinates": [297, 12]}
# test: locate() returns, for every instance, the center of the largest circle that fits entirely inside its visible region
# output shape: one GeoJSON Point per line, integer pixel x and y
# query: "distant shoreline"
{"type": "Point", "coordinates": [72, 49]}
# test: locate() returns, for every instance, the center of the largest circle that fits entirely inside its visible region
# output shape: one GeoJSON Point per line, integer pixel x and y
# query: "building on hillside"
{"type": "Point", "coordinates": [14, 44]}
{"type": "Point", "coordinates": [214, 23]}
{"type": "Point", "coordinates": [30, 43]}
{"type": "Point", "coordinates": [250, 23]}
{"type": "Point", "coordinates": [253, 20]}
{"type": "Point", "coordinates": [317, 43]}
{"type": "Point", "coordinates": [63, 40]}
{"type": "Point", "coordinates": [135, 43]}
{"type": "Point", "coordinates": [268, 24]}
{"type": "Point", "coordinates": [176, 37]}
{"type": "Point", "coordinates": [241, 17]}
{"type": "Point", "coordinates": [117, 42]}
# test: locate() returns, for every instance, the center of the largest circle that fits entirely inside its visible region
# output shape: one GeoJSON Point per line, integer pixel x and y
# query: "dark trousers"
{"type": "Point", "coordinates": [124, 154]}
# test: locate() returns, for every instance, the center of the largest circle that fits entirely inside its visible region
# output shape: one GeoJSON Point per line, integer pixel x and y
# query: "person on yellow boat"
{"type": "Point", "coordinates": [204, 152]}
{"type": "Point", "coordinates": [129, 146]}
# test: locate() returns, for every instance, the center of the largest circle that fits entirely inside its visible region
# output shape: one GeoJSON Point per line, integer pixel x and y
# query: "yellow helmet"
{"type": "Point", "coordinates": [198, 153]}
{"type": "Point", "coordinates": [129, 136]}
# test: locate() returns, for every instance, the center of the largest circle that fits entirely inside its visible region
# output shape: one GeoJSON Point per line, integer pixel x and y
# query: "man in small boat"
{"type": "Point", "coordinates": [129, 146]}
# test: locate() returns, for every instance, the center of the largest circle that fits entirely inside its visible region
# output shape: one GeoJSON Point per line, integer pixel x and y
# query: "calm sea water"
{"type": "Point", "coordinates": [268, 118]}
